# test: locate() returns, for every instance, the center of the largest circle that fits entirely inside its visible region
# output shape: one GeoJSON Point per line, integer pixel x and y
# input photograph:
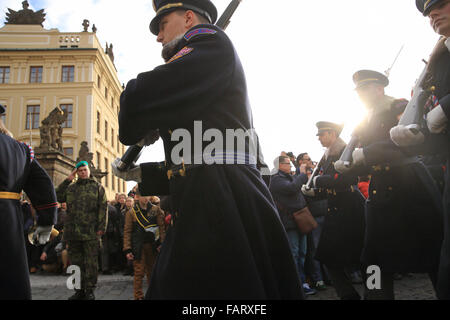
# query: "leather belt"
{"type": "Point", "coordinates": [220, 158]}
{"type": "Point", "coordinates": [9, 195]}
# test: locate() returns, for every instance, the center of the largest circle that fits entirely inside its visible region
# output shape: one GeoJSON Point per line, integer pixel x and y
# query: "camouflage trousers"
{"type": "Point", "coordinates": [85, 255]}
{"type": "Point", "coordinates": [143, 267]}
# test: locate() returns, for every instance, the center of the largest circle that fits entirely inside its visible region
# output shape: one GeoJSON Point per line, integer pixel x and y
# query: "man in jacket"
{"type": "Point", "coordinates": [286, 192]}
{"type": "Point", "coordinates": [144, 232]}
{"type": "Point", "coordinates": [85, 223]}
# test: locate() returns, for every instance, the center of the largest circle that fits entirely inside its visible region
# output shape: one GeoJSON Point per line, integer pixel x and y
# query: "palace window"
{"type": "Point", "coordinates": [98, 122]}
{"type": "Point", "coordinates": [68, 152]}
{"type": "Point", "coordinates": [69, 108]}
{"type": "Point", "coordinates": [35, 74]}
{"type": "Point", "coordinates": [4, 74]}
{"type": "Point", "coordinates": [68, 73]}
{"type": "Point", "coordinates": [32, 120]}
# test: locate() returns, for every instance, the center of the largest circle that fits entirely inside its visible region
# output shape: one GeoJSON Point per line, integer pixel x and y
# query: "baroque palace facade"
{"type": "Point", "coordinates": [41, 69]}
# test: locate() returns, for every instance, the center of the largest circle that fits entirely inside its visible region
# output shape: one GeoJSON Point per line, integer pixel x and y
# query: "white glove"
{"type": "Point", "coordinates": [42, 234]}
{"type": "Point", "coordinates": [308, 192]}
{"type": "Point", "coordinates": [409, 135]}
{"type": "Point", "coordinates": [447, 43]}
{"type": "Point", "coordinates": [358, 157]}
{"type": "Point", "coordinates": [341, 167]}
{"type": "Point", "coordinates": [436, 120]}
{"type": "Point", "coordinates": [132, 174]}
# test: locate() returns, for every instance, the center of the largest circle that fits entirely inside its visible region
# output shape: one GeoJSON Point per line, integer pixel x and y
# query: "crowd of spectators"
{"type": "Point", "coordinates": [289, 174]}
{"type": "Point", "coordinates": [52, 258]}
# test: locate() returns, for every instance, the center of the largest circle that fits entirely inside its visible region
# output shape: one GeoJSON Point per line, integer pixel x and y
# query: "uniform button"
{"type": "Point", "coordinates": [374, 192]}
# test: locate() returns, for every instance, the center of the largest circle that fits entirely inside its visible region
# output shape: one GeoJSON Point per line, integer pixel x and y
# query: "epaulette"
{"type": "Point", "coordinates": [188, 36]}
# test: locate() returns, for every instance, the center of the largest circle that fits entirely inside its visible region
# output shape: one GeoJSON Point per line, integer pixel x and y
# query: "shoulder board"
{"type": "Point", "coordinates": [197, 32]}
{"type": "Point", "coordinates": [181, 53]}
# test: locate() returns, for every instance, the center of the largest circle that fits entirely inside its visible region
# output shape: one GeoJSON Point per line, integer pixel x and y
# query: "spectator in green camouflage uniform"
{"type": "Point", "coordinates": [85, 223]}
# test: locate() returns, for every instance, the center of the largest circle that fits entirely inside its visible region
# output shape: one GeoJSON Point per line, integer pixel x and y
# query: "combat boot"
{"type": "Point", "coordinates": [89, 295]}
{"type": "Point", "coordinates": [79, 295]}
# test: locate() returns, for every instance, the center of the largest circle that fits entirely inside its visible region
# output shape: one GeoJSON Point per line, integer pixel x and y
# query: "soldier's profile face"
{"type": "Point", "coordinates": [325, 139]}
{"type": "Point", "coordinates": [83, 172]}
{"type": "Point", "coordinates": [440, 18]}
{"type": "Point", "coordinates": [171, 26]}
{"type": "Point", "coordinates": [369, 93]}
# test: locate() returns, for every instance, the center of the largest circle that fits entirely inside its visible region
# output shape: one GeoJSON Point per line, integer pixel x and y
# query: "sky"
{"type": "Point", "coordinates": [298, 56]}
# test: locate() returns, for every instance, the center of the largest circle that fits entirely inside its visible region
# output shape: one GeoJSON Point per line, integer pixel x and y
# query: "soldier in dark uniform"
{"type": "Point", "coordinates": [403, 212]}
{"type": "Point", "coordinates": [342, 237]}
{"type": "Point", "coordinates": [20, 171]}
{"type": "Point", "coordinates": [437, 110]}
{"type": "Point", "coordinates": [227, 241]}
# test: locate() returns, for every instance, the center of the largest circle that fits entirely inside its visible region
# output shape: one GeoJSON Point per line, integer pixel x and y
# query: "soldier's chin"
{"type": "Point", "coordinates": [171, 48]}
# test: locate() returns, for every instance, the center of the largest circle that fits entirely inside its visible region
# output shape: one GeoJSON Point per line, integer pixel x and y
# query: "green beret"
{"type": "Point", "coordinates": [82, 164]}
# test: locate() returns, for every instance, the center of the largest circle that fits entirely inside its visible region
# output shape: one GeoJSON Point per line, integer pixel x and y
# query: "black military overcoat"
{"type": "Point", "coordinates": [342, 237]}
{"type": "Point", "coordinates": [403, 211]}
{"type": "Point", "coordinates": [19, 171]}
{"type": "Point", "coordinates": [227, 241]}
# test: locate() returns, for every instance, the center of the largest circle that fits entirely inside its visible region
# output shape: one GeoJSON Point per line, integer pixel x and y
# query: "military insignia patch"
{"type": "Point", "coordinates": [196, 32]}
{"type": "Point", "coordinates": [181, 53]}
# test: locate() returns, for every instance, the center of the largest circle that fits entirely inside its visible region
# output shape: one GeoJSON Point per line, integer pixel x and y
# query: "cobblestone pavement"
{"type": "Point", "coordinates": [413, 287]}
{"type": "Point", "coordinates": [119, 287]}
{"type": "Point", "coordinates": [109, 287]}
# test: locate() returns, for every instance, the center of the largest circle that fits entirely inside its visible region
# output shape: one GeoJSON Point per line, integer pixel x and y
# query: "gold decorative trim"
{"type": "Point", "coordinates": [170, 5]}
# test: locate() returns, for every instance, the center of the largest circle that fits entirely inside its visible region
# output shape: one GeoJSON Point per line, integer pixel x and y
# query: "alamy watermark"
{"type": "Point", "coordinates": [213, 146]}
{"type": "Point", "coordinates": [373, 277]}
{"type": "Point", "coordinates": [74, 281]}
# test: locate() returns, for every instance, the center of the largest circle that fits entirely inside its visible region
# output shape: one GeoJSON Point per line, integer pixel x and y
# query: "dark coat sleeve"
{"type": "Point", "coordinates": [282, 186]}
{"type": "Point", "coordinates": [40, 190]}
{"type": "Point", "coordinates": [182, 89]}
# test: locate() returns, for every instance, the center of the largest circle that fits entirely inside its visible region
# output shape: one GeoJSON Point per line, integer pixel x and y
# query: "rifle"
{"type": "Point", "coordinates": [134, 152]}
{"type": "Point", "coordinates": [413, 116]}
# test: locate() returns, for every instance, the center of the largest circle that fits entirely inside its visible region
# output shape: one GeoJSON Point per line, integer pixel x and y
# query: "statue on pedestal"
{"type": "Point", "coordinates": [25, 16]}
{"type": "Point", "coordinates": [51, 130]}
